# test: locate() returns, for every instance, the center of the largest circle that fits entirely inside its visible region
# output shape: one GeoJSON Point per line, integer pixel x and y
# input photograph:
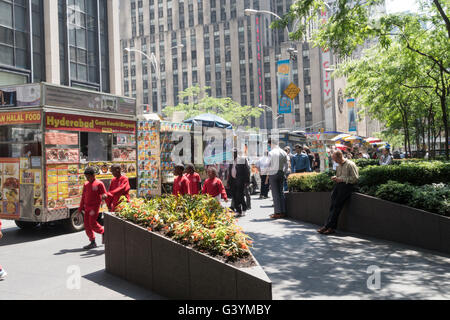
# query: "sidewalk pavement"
{"type": "Point", "coordinates": [303, 264]}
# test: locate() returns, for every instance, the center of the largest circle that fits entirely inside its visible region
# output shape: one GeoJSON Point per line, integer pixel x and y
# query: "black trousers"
{"type": "Point", "coordinates": [340, 194]}
{"type": "Point", "coordinates": [264, 186]}
{"type": "Point", "coordinates": [238, 195]}
{"type": "Point", "coordinates": [248, 199]}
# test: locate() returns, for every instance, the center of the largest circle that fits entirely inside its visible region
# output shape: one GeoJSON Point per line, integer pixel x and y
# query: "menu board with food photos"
{"type": "Point", "coordinates": [55, 155]}
{"type": "Point", "coordinates": [124, 147]}
{"type": "Point", "coordinates": [148, 158]}
{"type": "Point", "coordinates": [167, 146]}
{"type": "Point", "coordinates": [10, 185]}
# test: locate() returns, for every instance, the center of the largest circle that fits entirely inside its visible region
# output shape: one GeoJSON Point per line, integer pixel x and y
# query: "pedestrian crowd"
{"type": "Point", "coordinates": [274, 168]}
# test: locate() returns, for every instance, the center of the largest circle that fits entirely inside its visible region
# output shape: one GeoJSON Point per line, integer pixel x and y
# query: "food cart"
{"type": "Point", "coordinates": [49, 134]}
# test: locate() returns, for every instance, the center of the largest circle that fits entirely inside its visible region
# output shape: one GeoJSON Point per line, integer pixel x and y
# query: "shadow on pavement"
{"type": "Point", "coordinates": [307, 265]}
{"type": "Point", "coordinates": [86, 253]}
{"type": "Point", "coordinates": [13, 236]}
{"type": "Point", "coordinates": [119, 285]}
{"type": "Point", "coordinates": [93, 253]}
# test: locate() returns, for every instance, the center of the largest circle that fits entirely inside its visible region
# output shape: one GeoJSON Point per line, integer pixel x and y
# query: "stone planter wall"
{"type": "Point", "coordinates": [176, 271]}
{"type": "Point", "coordinates": [375, 217]}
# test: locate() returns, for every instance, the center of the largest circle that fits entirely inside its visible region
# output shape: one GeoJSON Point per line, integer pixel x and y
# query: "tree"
{"type": "Point", "coordinates": [390, 83]}
{"type": "Point", "coordinates": [201, 103]}
{"type": "Point", "coordinates": [350, 23]}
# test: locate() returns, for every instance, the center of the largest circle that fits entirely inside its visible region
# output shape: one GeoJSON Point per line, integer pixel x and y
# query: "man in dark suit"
{"type": "Point", "coordinates": [238, 180]}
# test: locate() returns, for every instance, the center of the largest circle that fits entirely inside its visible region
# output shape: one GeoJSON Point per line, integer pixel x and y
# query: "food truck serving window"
{"type": "Point", "coordinates": [95, 146]}
{"type": "Point", "coordinates": [20, 141]}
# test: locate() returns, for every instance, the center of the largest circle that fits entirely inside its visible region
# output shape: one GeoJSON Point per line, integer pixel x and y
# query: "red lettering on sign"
{"type": "Point", "coordinates": [327, 91]}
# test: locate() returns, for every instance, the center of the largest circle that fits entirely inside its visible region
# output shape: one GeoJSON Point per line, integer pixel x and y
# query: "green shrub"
{"type": "Point", "coordinates": [416, 173]}
{"type": "Point", "coordinates": [395, 192]}
{"type": "Point", "coordinates": [362, 163]}
{"type": "Point", "coordinates": [433, 198]}
{"type": "Point", "coordinates": [311, 182]}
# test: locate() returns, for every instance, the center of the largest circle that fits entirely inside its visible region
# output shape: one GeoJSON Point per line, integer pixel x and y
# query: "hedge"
{"type": "Point", "coordinates": [363, 163]}
{"type": "Point", "coordinates": [432, 198]}
{"type": "Point", "coordinates": [416, 173]}
{"type": "Point", "coordinates": [423, 185]}
{"type": "Point", "coordinates": [311, 182]}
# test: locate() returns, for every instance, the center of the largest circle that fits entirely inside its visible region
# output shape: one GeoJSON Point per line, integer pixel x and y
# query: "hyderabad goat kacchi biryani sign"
{"type": "Point", "coordinates": [69, 122]}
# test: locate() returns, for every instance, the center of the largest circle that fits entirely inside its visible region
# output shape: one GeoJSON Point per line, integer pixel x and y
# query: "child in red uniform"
{"type": "Point", "coordinates": [3, 273]}
{"type": "Point", "coordinates": [181, 183]}
{"type": "Point", "coordinates": [195, 182]}
{"type": "Point", "coordinates": [94, 192]}
{"type": "Point", "coordinates": [120, 186]}
{"type": "Point", "coordinates": [214, 186]}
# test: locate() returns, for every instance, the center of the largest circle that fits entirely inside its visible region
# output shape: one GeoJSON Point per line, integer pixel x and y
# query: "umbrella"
{"type": "Point", "coordinates": [209, 120]}
{"type": "Point", "coordinates": [378, 143]}
{"type": "Point", "coordinates": [340, 137]}
{"type": "Point", "coordinates": [372, 140]}
{"type": "Point", "coordinates": [340, 146]}
{"type": "Point", "coordinates": [351, 138]}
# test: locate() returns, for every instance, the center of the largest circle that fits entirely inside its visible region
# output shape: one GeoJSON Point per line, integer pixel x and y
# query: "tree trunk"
{"type": "Point", "coordinates": [445, 122]}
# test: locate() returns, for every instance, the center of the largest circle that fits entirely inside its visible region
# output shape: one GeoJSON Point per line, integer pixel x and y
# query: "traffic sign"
{"type": "Point", "coordinates": [292, 91]}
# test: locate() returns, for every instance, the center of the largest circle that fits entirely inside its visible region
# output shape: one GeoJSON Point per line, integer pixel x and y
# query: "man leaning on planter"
{"type": "Point", "coordinates": [346, 178]}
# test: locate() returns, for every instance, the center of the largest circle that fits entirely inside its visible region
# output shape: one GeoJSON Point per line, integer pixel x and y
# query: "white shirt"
{"type": "Point", "coordinates": [278, 161]}
{"type": "Point", "coordinates": [263, 165]}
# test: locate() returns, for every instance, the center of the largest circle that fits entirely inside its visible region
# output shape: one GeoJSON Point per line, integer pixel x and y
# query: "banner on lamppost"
{"type": "Point", "coordinates": [351, 115]}
{"type": "Point", "coordinates": [283, 77]}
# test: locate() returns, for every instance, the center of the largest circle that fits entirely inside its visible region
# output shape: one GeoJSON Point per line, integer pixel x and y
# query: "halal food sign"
{"type": "Point", "coordinates": [57, 121]}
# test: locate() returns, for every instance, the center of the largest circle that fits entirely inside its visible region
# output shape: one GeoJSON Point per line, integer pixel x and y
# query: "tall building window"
{"type": "Point", "coordinates": [88, 52]}
{"type": "Point", "coordinates": [16, 50]}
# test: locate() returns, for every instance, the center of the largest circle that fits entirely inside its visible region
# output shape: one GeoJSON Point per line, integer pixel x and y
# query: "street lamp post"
{"type": "Point", "coordinates": [292, 51]}
{"type": "Point", "coordinates": [155, 65]}
{"type": "Point", "coordinates": [275, 115]}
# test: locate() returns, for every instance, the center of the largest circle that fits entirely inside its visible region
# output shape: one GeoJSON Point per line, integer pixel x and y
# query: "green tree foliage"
{"type": "Point", "coordinates": [420, 41]}
{"type": "Point", "coordinates": [201, 103]}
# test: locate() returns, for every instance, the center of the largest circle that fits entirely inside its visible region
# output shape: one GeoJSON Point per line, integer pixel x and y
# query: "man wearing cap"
{"type": "Point", "coordinates": [94, 192]}
{"type": "Point", "coordinates": [120, 186]}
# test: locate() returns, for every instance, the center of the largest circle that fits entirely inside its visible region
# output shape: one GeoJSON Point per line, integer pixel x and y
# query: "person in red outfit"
{"type": "Point", "coordinates": [94, 192]}
{"type": "Point", "coordinates": [3, 273]}
{"type": "Point", "coordinates": [195, 182]}
{"type": "Point", "coordinates": [181, 183]}
{"type": "Point", "coordinates": [214, 186]}
{"type": "Point", "coordinates": [120, 186]}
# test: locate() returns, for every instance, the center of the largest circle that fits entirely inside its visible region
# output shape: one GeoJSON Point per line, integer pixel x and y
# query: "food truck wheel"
{"type": "Point", "coordinates": [26, 224]}
{"type": "Point", "coordinates": [76, 222]}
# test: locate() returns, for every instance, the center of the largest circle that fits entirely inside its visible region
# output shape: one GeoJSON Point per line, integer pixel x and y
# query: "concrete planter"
{"type": "Point", "coordinates": [176, 271]}
{"type": "Point", "coordinates": [375, 217]}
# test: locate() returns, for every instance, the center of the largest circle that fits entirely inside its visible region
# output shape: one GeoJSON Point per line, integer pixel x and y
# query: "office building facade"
{"type": "Point", "coordinates": [67, 42]}
{"type": "Point", "coordinates": [213, 43]}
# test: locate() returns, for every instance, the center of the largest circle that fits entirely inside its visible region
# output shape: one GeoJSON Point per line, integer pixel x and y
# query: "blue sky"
{"type": "Point", "coordinates": [395, 6]}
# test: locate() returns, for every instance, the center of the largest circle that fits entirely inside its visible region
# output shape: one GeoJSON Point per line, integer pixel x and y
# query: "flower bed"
{"type": "Point", "coordinates": [197, 221]}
